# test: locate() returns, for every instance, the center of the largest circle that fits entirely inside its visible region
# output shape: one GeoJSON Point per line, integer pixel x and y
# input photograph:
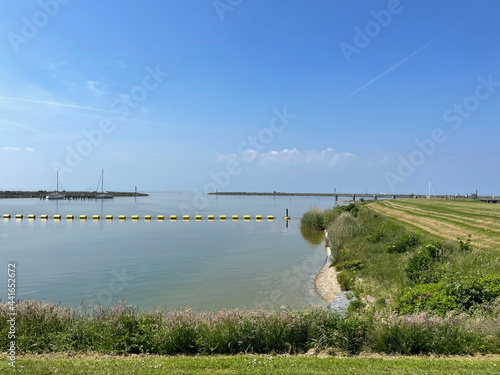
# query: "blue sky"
{"type": "Point", "coordinates": [372, 96]}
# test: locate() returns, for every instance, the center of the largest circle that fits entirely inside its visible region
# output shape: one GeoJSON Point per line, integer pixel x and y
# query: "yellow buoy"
{"type": "Point", "coordinates": [270, 218]}
{"type": "Point", "coordinates": [57, 217]}
{"type": "Point", "coordinates": [83, 217]}
{"type": "Point", "coordinates": [198, 217]}
{"type": "Point", "coordinates": [210, 217]}
{"type": "Point", "coordinates": [223, 217]}
{"type": "Point", "coordinates": [135, 217]}
{"type": "Point", "coordinates": [70, 217]}
{"type": "Point", "coordinates": [185, 217]}
{"type": "Point", "coordinates": [6, 216]}
{"type": "Point", "coordinates": [31, 216]}
{"type": "Point", "coordinates": [44, 217]}
{"type": "Point", "coordinates": [96, 217]}
{"type": "Point", "coordinates": [19, 216]}
{"type": "Point", "coordinates": [161, 217]}
{"type": "Point", "coordinates": [258, 217]}
{"type": "Point", "coordinates": [122, 217]}
{"type": "Point", "coordinates": [147, 217]}
{"type": "Point", "coordinates": [246, 217]}
{"type": "Point", "coordinates": [109, 217]}
{"type": "Point", "coordinates": [235, 217]}
{"type": "Point", "coordinates": [286, 218]}
{"type": "Point", "coordinates": [173, 217]}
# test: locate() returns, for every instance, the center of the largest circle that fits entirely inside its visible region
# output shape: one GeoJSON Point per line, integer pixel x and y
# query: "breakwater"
{"type": "Point", "coordinates": [66, 194]}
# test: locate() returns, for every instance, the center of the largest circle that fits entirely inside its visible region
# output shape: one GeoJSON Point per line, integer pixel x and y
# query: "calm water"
{"type": "Point", "coordinates": [204, 265]}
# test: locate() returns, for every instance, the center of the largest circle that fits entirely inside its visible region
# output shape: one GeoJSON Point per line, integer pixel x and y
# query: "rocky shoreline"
{"type": "Point", "coordinates": [326, 284]}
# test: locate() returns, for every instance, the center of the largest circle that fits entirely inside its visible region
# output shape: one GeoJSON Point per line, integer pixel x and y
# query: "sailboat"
{"type": "Point", "coordinates": [102, 195]}
{"type": "Point", "coordinates": [55, 195]}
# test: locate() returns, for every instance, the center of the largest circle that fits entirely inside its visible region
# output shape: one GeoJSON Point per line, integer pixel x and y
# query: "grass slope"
{"type": "Point", "coordinates": [447, 219]}
{"type": "Point", "coordinates": [250, 365]}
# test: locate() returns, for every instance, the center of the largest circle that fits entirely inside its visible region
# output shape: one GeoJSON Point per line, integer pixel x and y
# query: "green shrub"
{"type": "Point", "coordinates": [376, 237]}
{"type": "Point", "coordinates": [355, 306]}
{"type": "Point", "coordinates": [313, 219]}
{"type": "Point", "coordinates": [352, 208]}
{"type": "Point", "coordinates": [465, 245]}
{"type": "Point", "coordinates": [426, 297]}
{"type": "Point", "coordinates": [346, 280]}
{"type": "Point", "coordinates": [351, 265]}
{"type": "Point", "coordinates": [404, 243]}
{"type": "Point", "coordinates": [473, 291]}
{"type": "Point", "coordinates": [460, 294]}
{"type": "Point", "coordinates": [420, 264]}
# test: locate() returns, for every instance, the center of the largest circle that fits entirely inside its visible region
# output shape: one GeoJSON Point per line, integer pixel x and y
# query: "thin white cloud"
{"type": "Point", "coordinates": [401, 62]}
{"type": "Point", "coordinates": [58, 104]}
{"type": "Point", "coordinates": [12, 123]}
{"type": "Point", "coordinates": [292, 156]}
{"type": "Point", "coordinates": [97, 88]}
{"type": "Point", "coordinates": [15, 148]}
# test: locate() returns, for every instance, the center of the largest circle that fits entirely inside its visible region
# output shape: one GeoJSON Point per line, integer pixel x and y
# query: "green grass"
{"type": "Point", "coordinates": [42, 327]}
{"type": "Point", "coordinates": [97, 365]}
{"type": "Point", "coordinates": [447, 219]}
{"type": "Point", "coordinates": [393, 250]}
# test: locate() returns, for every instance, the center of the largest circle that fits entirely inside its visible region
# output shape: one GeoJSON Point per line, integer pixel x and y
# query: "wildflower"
{"type": "Point", "coordinates": [419, 296]}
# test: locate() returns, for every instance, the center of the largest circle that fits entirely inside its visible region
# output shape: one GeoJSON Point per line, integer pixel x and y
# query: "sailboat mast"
{"type": "Point", "coordinates": [57, 180]}
{"type": "Point", "coordinates": [102, 177]}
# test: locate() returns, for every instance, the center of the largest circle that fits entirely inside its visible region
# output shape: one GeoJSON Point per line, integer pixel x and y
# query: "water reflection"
{"type": "Point", "coordinates": [313, 236]}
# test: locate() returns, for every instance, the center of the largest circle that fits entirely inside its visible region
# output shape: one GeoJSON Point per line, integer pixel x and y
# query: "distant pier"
{"type": "Point", "coordinates": [353, 196]}
{"type": "Point", "coordinates": [83, 195]}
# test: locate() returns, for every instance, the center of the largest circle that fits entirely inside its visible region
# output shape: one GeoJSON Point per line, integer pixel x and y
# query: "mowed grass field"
{"type": "Point", "coordinates": [286, 365]}
{"type": "Point", "coordinates": [447, 219]}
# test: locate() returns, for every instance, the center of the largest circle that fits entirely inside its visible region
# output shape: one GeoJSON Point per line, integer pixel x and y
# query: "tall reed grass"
{"type": "Point", "coordinates": [42, 327]}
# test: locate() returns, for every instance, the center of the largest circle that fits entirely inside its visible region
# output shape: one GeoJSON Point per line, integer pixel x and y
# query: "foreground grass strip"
{"type": "Point", "coordinates": [251, 365]}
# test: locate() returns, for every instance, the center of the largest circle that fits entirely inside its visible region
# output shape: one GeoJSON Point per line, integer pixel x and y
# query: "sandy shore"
{"type": "Point", "coordinates": [326, 284]}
